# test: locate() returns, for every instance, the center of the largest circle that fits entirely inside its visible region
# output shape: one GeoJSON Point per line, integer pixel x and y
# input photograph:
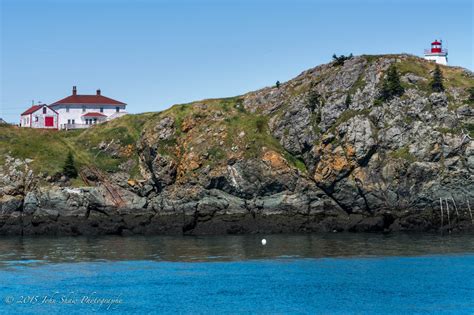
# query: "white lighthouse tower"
{"type": "Point", "coordinates": [437, 53]}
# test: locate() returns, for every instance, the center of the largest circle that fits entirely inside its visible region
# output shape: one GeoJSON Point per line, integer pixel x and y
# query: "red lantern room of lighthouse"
{"type": "Point", "coordinates": [436, 47]}
{"type": "Point", "coordinates": [437, 53]}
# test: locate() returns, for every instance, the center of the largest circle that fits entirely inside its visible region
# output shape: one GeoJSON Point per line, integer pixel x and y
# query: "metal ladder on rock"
{"type": "Point", "coordinates": [101, 178]}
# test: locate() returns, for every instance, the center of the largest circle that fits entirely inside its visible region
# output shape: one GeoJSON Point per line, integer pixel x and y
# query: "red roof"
{"type": "Point", "coordinates": [88, 99]}
{"type": "Point", "coordinates": [94, 115]}
{"type": "Point", "coordinates": [32, 109]}
{"type": "Point", "coordinates": [436, 43]}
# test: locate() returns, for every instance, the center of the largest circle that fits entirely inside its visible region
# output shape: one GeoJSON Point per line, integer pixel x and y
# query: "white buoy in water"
{"type": "Point", "coordinates": [264, 241]}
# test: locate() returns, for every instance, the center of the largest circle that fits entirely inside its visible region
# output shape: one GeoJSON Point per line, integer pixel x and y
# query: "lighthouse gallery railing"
{"type": "Point", "coordinates": [443, 51]}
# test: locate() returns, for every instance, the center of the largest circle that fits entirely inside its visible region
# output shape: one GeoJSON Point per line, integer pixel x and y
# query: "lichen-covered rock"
{"type": "Point", "coordinates": [165, 128]}
{"type": "Point", "coordinates": [358, 138]}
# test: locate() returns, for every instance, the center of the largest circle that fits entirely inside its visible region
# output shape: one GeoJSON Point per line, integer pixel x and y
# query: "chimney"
{"type": "Point", "coordinates": [98, 92]}
{"type": "Point", "coordinates": [74, 90]}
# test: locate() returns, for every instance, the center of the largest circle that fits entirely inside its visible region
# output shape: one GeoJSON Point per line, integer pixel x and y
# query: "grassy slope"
{"type": "Point", "coordinates": [48, 148]}
{"type": "Point", "coordinates": [453, 77]}
{"type": "Point", "coordinates": [221, 129]}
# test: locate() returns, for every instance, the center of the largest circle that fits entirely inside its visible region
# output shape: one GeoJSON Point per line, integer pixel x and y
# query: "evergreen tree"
{"type": "Point", "coordinates": [437, 80]}
{"type": "Point", "coordinates": [385, 93]}
{"type": "Point", "coordinates": [339, 61]}
{"type": "Point", "coordinates": [277, 84]}
{"type": "Point", "coordinates": [348, 100]}
{"type": "Point", "coordinates": [69, 168]}
{"type": "Point", "coordinates": [260, 123]}
{"type": "Point", "coordinates": [471, 94]}
{"type": "Point", "coordinates": [396, 87]}
{"type": "Point", "coordinates": [314, 99]}
{"type": "Point", "coordinates": [391, 85]}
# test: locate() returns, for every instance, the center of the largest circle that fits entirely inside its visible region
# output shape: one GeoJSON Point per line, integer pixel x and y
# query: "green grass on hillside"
{"type": "Point", "coordinates": [452, 76]}
{"type": "Point", "coordinates": [227, 130]}
{"type": "Point", "coordinates": [48, 148]}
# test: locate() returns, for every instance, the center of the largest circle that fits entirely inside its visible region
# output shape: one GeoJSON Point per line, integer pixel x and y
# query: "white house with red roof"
{"type": "Point", "coordinates": [83, 111]}
{"type": "Point", "coordinates": [40, 116]}
{"type": "Point", "coordinates": [73, 112]}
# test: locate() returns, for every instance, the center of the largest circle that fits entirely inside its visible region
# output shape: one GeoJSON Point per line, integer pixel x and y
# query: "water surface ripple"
{"type": "Point", "coordinates": [293, 274]}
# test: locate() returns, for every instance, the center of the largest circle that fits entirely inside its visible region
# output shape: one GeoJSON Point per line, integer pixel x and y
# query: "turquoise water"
{"type": "Point", "coordinates": [292, 274]}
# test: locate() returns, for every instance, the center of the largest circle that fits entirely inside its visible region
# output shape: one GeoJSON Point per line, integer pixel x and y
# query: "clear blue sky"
{"type": "Point", "coordinates": [152, 54]}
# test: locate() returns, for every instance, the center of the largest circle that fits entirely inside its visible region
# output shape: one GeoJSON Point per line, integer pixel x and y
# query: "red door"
{"type": "Point", "coordinates": [49, 121]}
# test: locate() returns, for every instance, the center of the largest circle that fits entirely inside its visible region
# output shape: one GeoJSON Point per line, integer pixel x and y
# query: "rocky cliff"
{"type": "Point", "coordinates": [320, 152]}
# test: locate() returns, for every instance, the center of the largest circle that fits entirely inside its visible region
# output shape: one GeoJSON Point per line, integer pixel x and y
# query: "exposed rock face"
{"type": "Point", "coordinates": [330, 163]}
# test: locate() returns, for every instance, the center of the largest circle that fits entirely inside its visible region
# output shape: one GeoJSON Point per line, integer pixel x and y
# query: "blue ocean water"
{"type": "Point", "coordinates": [220, 275]}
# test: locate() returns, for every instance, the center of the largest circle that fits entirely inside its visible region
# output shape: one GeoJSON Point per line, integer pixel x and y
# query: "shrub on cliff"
{"type": "Point", "coordinates": [437, 80]}
{"type": "Point", "coordinates": [69, 168]}
{"type": "Point", "coordinates": [339, 60]}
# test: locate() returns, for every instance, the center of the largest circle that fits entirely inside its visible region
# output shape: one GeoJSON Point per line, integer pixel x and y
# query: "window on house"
{"type": "Point", "coordinates": [95, 121]}
{"type": "Point", "coordinates": [117, 109]}
{"type": "Point", "coordinates": [83, 109]}
{"type": "Point", "coordinates": [101, 109]}
{"type": "Point", "coordinates": [67, 109]}
{"type": "Point", "coordinates": [36, 118]}
{"type": "Point", "coordinates": [44, 110]}
{"type": "Point", "coordinates": [72, 121]}
{"type": "Point", "coordinates": [69, 121]}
